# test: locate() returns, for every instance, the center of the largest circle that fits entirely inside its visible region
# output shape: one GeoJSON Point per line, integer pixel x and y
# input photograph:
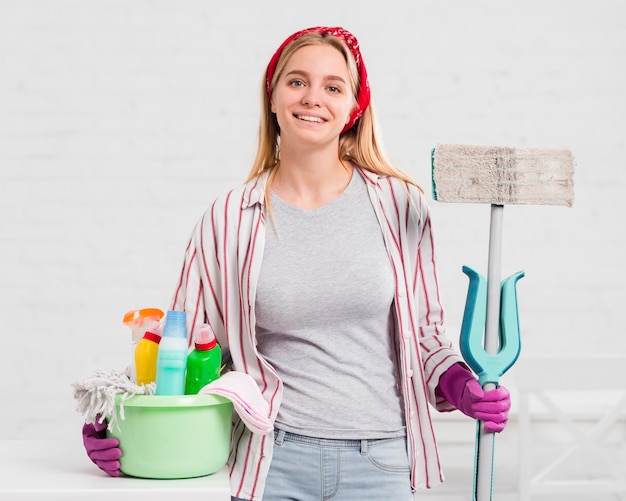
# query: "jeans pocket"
{"type": "Point", "coordinates": [389, 455]}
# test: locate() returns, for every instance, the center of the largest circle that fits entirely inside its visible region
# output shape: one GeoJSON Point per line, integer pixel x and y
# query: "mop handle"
{"type": "Point", "coordinates": [488, 367]}
{"type": "Point", "coordinates": [486, 441]}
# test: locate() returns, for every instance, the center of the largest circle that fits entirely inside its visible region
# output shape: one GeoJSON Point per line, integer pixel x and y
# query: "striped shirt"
{"type": "Point", "coordinates": [218, 284]}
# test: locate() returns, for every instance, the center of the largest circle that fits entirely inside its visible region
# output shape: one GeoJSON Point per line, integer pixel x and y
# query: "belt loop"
{"type": "Point", "coordinates": [279, 437]}
{"type": "Point", "coordinates": [363, 447]}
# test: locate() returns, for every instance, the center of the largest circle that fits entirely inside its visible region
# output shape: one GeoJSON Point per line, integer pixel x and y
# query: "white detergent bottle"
{"type": "Point", "coordinates": [172, 356]}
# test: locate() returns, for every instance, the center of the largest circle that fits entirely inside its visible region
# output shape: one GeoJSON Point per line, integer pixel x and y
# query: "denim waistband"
{"type": "Point", "coordinates": [281, 436]}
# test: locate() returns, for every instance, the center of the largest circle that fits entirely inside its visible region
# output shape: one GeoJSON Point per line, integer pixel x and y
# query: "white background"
{"type": "Point", "coordinates": [121, 120]}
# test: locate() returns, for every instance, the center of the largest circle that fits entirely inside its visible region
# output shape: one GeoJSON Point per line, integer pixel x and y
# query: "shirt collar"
{"type": "Point", "coordinates": [254, 191]}
{"type": "Point", "coordinates": [370, 177]}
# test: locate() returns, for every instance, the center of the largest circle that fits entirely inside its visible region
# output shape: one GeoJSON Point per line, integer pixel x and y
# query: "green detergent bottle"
{"type": "Point", "coordinates": [204, 362]}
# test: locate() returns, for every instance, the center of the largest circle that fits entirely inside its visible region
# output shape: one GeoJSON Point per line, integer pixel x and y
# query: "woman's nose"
{"type": "Point", "coordinates": [311, 97]}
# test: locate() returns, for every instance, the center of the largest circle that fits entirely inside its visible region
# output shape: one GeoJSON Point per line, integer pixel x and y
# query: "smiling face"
{"type": "Point", "coordinates": [312, 98]}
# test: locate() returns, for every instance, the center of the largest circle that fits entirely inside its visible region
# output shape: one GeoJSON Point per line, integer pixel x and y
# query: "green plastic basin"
{"type": "Point", "coordinates": [167, 437]}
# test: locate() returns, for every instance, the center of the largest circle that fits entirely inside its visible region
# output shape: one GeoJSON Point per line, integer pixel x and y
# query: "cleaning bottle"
{"type": "Point", "coordinates": [146, 354]}
{"type": "Point", "coordinates": [204, 362]}
{"type": "Point", "coordinates": [139, 322]}
{"type": "Point", "coordinates": [172, 356]}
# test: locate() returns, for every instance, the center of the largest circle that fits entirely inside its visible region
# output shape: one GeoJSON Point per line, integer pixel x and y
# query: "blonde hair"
{"type": "Point", "coordinates": [360, 145]}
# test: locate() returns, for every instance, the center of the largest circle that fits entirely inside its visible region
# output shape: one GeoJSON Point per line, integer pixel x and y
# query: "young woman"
{"type": "Point", "coordinates": [319, 278]}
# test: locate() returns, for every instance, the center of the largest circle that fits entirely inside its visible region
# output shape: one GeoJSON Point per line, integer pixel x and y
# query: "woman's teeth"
{"type": "Point", "coordinates": [309, 119]}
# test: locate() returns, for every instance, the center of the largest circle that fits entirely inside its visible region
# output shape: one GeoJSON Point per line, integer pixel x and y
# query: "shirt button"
{"type": "Point", "coordinates": [407, 333]}
{"type": "Point", "coordinates": [401, 293]}
{"type": "Point", "coordinates": [409, 373]}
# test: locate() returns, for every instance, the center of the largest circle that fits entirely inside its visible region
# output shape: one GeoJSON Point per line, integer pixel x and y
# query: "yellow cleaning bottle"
{"type": "Point", "coordinates": [140, 322]}
{"type": "Point", "coordinates": [146, 354]}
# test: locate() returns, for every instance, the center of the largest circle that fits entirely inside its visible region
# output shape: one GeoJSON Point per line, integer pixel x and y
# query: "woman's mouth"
{"type": "Point", "coordinates": [308, 118]}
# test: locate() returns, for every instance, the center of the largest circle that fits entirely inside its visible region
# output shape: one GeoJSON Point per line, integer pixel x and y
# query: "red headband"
{"type": "Point", "coordinates": [363, 97]}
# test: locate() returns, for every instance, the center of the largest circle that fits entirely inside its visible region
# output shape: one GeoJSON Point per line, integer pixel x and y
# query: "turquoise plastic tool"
{"type": "Point", "coordinates": [490, 367]}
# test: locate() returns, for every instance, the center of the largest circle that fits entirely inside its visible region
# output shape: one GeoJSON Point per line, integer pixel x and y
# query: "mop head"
{"type": "Point", "coordinates": [502, 176]}
{"type": "Point", "coordinates": [95, 395]}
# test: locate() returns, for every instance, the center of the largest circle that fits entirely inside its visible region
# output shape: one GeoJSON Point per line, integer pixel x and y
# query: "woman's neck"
{"type": "Point", "coordinates": [309, 181]}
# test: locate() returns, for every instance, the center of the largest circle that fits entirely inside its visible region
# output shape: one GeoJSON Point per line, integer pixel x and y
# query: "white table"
{"type": "Point", "coordinates": [51, 470]}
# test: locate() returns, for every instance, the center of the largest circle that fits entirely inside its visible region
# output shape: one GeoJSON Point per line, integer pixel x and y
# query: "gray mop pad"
{"type": "Point", "coordinates": [502, 176]}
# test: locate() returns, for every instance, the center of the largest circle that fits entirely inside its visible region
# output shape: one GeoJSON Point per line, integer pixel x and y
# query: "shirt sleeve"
{"type": "Point", "coordinates": [437, 351]}
{"type": "Point", "coordinates": [198, 289]}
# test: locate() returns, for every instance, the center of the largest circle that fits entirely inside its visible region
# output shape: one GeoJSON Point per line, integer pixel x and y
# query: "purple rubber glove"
{"type": "Point", "coordinates": [104, 452]}
{"type": "Point", "coordinates": [461, 388]}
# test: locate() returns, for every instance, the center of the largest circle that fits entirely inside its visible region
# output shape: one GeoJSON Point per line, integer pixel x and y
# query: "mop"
{"type": "Point", "coordinates": [95, 395]}
{"type": "Point", "coordinates": [490, 339]}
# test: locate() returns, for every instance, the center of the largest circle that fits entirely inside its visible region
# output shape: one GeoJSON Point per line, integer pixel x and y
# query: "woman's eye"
{"type": "Point", "coordinates": [334, 89]}
{"type": "Point", "coordinates": [296, 83]}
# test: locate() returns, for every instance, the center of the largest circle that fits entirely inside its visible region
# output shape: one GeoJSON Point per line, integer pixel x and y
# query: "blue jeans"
{"type": "Point", "coordinates": [313, 469]}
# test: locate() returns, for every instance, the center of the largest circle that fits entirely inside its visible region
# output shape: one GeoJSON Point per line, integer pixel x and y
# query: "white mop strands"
{"type": "Point", "coordinates": [95, 395]}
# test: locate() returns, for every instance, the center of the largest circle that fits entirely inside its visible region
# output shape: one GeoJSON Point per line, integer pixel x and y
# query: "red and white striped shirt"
{"type": "Point", "coordinates": [218, 284]}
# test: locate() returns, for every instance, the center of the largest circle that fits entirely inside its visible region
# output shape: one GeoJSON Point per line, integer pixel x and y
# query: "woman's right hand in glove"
{"type": "Point", "coordinates": [104, 452]}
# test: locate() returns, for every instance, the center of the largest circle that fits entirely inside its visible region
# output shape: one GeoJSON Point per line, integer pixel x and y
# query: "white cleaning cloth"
{"type": "Point", "coordinates": [246, 397]}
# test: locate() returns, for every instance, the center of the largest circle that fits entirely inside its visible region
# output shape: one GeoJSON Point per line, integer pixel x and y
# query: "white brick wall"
{"type": "Point", "coordinates": [119, 121]}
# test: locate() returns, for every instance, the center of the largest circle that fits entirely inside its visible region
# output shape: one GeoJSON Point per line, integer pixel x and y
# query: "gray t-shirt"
{"type": "Point", "coordinates": [324, 319]}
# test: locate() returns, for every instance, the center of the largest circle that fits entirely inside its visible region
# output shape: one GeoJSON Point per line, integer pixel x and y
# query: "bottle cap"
{"type": "Point", "coordinates": [204, 338]}
{"type": "Point", "coordinates": [157, 328]}
{"type": "Point", "coordinates": [175, 324]}
{"type": "Point", "coordinates": [152, 336]}
{"type": "Point", "coordinates": [141, 321]}
{"type": "Point", "coordinates": [138, 316]}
